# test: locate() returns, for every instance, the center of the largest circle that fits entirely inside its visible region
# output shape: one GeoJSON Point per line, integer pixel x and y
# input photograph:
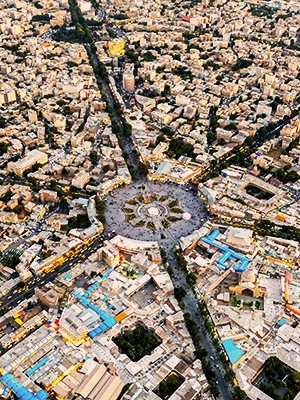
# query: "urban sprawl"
{"type": "Point", "coordinates": [150, 199]}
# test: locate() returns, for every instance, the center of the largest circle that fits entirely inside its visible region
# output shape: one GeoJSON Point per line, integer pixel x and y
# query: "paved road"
{"type": "Point", "coordinates": [127, 143]}
{"type": "Point", "coordinates": [191, 306]}
{"type": "Point", "coordinates": [66, 266]}
{"type": "Point", "coordinates": [179, 278]}
{"type": "Point", "coordinates": [188, 201]}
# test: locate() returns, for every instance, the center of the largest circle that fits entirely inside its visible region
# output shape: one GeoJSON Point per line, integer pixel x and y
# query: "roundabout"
{"type": "Point", "coordinates": [153, 211]}
{"type": "Point", "coordinates": [162, 212]}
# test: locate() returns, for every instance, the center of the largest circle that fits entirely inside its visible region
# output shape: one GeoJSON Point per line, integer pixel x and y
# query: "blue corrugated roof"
{"type": "Point", "coordinates": [281, 322]}
{"type": "Point", "coordinates": [37, 366]}
{"type": "Point", "coordinates": [21, 391]}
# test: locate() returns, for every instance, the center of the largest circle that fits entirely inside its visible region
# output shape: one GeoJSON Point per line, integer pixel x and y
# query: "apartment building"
{"type": "Point", "coordinates": [33, 157]}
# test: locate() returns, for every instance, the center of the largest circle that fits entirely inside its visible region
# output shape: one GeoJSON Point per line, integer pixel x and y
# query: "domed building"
{"type": "Point", "coordinates": [248, 286]}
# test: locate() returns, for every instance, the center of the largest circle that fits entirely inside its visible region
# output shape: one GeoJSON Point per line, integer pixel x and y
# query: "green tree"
{"type": "Point", "coordinates": [239, 394]}
{"type": "Point", "coordinates": [229, 375]}
{"type": "Point", "coordinates": [179, 293]}
{"type": "Point", "coordinates": [63, 202]}
{"type": "Point", "coordinates": [143, 168]}
{"type": "Point", "coordinates": [94, 157]}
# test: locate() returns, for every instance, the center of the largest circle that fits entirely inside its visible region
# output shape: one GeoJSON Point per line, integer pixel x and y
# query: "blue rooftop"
{"type": "Point", "coordinates": [21, 391]}
{"type": "Point", "coordinates": [228, 253]}
{"type": "Point", "coordinates": [281, 322]}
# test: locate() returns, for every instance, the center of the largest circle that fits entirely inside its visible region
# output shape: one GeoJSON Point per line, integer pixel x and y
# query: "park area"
{"type": "Point", "coordinates": [277, 380]}
{"type": "Point", "coordinates": [137, 342]}
{"type": "Point", "coordinates": [259, 193]}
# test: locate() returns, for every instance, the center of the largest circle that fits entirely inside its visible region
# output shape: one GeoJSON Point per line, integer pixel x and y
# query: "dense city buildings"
{"type": "Point", "coordinates": [150, 200]}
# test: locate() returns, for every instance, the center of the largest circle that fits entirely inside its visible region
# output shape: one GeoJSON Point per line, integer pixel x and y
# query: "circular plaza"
{"type": "Point", "coordinates": [161, 212]}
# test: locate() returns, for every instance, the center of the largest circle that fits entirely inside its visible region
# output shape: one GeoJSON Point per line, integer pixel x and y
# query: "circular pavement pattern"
{"type": "Point", "coordinates": [187, 199]}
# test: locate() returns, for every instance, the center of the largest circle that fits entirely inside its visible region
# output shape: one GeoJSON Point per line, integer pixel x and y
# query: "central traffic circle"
{"type": "Point", "coordinates": [158, 211]}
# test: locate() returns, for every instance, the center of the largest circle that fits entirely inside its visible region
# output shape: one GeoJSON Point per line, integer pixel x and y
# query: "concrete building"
{"type": "Point", "coordinates": [7, 94]}
{"type": "Point", "coordinates": [128, 82]}
{"type": "Point", "coordinates": [33, 157]}
{"type": "Point", "coordinates": [48, 195]}
{"type": "Point", "coordinates": [81, 179]}
{"type": "Point", "coordinates": [109, 254]}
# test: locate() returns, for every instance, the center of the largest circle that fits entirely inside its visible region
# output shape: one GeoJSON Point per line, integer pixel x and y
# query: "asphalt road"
{"type": "Point", "coordinates": [127, 143]}
{"type": "Point", "coordinates": [66, 266]}
{"type": "Point", "coordinates": [191, 306]}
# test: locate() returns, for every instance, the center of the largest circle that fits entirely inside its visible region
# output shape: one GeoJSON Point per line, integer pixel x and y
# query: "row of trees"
{"type": "Point", "coordinates": [201, 353]}
{"type": "Point", "coordinates": [190, 277]}
{"type": "Point", "coordinates": [100, 209]}
{"type": "Point", "coordinates": [237, 394]}
{"type": "Point", "coordinates": [269, 228]}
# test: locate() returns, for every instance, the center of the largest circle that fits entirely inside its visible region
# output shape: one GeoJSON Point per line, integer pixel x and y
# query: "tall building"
{"type": "Point", "coordinates": [7, 94]}
{"type": "Point", "coordinates": [32, 116]}
{"type": "Point", "coordinates": [109, 254]}
{"type": "Point", "coordinates": [128, 82]}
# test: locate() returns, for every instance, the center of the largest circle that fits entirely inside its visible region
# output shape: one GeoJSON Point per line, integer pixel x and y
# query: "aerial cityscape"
{"type": "Point", "coordinates": [150, 200]}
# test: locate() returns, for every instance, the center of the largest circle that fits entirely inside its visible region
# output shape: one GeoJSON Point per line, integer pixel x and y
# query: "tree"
{"type": "Point", "coordinates": [229, 375]}
{"type": "Point", "coordinates": [143, 168]}
{"type": "Point", "coordinates": [94, 157]}
{"type": "Point", "coordinates": [7, 196]}
{"type": "Point", "coordinates": [179, 293]}
{"type": "Point", "coordinates": [11, 261]}
{"type": "Point", "coordinates": [239, 394]}
{"type": "Point", "coordinates": [63, 203]}
{"type": "Point", "coordinates": [214, 391]}
{"type": "Point", "coordinates": [2, 123]}
{"type": "Point", "coordinates": [105, 168]}
{"type": "Point", "coordinates": [3, 146]}
{"type": "Point", "coordinates": [293, 381]}
{"type": "Point", "coordinates": [191, 279]}
{"type": "Point", "coordinates": [127, 129]}
{"type": "Point", "coordinates": [73, 189]}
